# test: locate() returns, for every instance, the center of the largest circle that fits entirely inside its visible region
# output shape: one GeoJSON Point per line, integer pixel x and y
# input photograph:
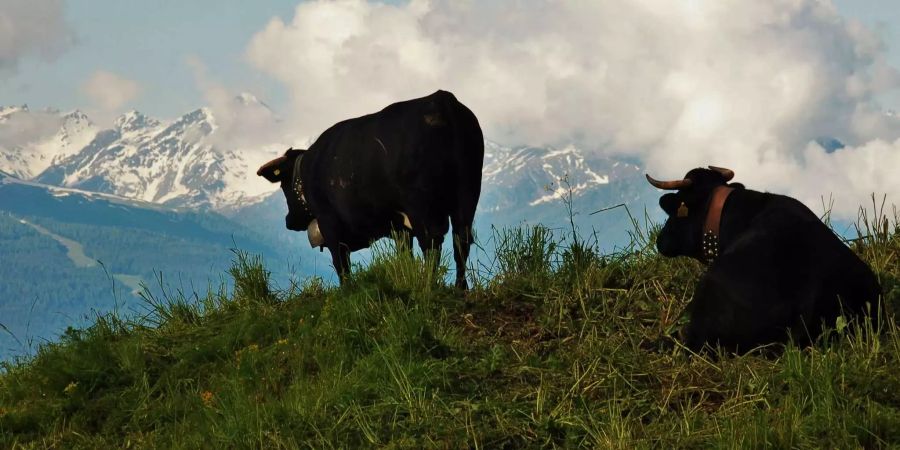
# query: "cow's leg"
{"type": "Point", "coordinates": [403, 239]}
{"type": "Point", "coordinates": [431, 239]}
{"type": "Point", "coordinates": [461, 220]}
{"type": "Point", "coordinates": [429, 230]}
{"type": "Point", "coordinates": [340, 257]}
{"type": "Point", "coordinates": [335, 237]}
{"type": "Point", "coordinates": [431, 247]}
{"type": "Point", "coordinates": [462, 242]}
{"type": "Point", "coordinates": [464, 203]}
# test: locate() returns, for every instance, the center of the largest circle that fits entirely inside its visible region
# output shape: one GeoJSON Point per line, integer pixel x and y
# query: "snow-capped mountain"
{"type": "Point", "coordinates": [32, 141]}
{"type": "Point", "coordinates": [535, 176]}
{"type": "Point", "coordinates": [169, 163]}
{"type": "Point", "coordinates": [185, 163]}
{"type": "Point", "coordinates": [181, 163]}
{"type": "Point", "coordinates": [543, 185]}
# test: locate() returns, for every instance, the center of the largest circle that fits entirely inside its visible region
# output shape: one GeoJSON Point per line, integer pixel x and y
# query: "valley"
{"type": "Point", "coordinates": [74, 250]}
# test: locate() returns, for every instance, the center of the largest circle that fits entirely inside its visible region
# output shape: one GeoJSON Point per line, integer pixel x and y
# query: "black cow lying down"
{"type": "Point", "coordinates": [412, 165]}
{"type": "Point", "coordinates": [774, 269]}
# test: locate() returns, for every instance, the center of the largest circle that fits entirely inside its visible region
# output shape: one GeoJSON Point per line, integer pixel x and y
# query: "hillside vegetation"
{"type": "Point", "coordinates": [556, 345]}
{"type": "Point", "coordinates": [42, 289]}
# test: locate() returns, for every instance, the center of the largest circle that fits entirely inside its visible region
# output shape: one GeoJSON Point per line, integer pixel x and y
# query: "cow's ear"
{"type": "Point", "coordinates": [273, 170]}
{"type": "Point", "coordinates": [294, 152]}
{"type": "Point", "coordinates": [670, 203]}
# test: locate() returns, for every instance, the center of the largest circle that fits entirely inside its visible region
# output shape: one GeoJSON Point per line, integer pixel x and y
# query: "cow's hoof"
{"type": "Point", "coordinates": [461, 284]}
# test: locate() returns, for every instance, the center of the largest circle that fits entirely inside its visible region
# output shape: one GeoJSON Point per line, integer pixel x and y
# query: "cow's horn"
{"type": "Point", "coordinates": [274, 162]}
{"type": "Point", "coordinates": [728, 174]}
{"type": "Point", "coordinates": [669, 185]}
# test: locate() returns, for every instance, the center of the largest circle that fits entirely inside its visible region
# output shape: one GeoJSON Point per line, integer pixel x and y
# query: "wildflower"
{"type": "Point", "coordinates": [207, 398]}
{"type": "Point", "coordinates": [282, 342]}
{"type": "Point", "coordinates": [252, 348]}
{"type": "Point", "coordinates": [70, 388]}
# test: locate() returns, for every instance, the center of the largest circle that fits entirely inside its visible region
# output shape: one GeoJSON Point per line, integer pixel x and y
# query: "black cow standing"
{"type": "Point", "coordinates": [412, 165]}
{"type": "Point", "coordinates": [774, 269]}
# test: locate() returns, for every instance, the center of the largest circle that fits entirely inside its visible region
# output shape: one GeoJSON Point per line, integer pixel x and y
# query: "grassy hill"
{"type": "Point", "coordinates": [556, 345]}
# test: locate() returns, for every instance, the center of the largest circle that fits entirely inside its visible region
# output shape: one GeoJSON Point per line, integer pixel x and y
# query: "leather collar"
{"type": "Point", "coordinates": [710, 241]}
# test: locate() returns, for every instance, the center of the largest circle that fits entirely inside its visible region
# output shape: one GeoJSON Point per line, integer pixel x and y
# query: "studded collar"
{"type": "Point", "coordinates": [710, 242]}
{"type": "Point", "coordinates": [297, 185]}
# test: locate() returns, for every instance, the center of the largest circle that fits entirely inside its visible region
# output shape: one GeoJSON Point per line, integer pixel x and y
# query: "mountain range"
{"type": "Point", "coordinates": [173, 163]}
{"type": "Point", "coordinates": [153, 198]}
{"type": "Point", "coordinates": [178, 163]}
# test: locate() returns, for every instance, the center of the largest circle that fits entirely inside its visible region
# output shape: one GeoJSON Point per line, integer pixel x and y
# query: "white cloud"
{"type": "Point", "coordinates": [31, 27]}
{"type": "Point", "coordinates": [244, 125]}
{"type": "Point", "coordinates": [678, 84]}
{"type": "Point", "coordinates": [110, 91]}
{"type": "Point", "coordinates": [26, 127]}
{"type": "Point", "coordinates": [848, 176]}
{"type": "Point", "coordinates": [243, 121]}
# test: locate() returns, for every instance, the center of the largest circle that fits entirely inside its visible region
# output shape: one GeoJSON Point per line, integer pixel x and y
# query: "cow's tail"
{"type": "Point", "coordinates": [468, 160]}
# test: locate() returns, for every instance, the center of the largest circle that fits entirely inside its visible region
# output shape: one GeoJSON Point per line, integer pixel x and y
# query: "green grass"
{"type": "Point", "coordinates": [556, 345]}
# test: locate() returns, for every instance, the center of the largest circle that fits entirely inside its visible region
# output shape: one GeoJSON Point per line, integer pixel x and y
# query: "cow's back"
{"type": "Point", "coordinates": [370, 167]}
{"type": "Point", "coordinates": [783, 269]}
{"type": "Point", "coordinates": [821, 259]}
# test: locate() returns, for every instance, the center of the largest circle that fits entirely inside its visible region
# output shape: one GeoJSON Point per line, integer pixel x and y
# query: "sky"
{"type": "Point", "coordinates": [749, 85]}
{"type": "Point", "coordinates": [883, 16]}
{"type": "Point", "coordinates": [149, 43]}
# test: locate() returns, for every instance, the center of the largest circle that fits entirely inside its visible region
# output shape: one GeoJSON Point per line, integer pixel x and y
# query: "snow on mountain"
{"type": "Point", "coordinates": [174, 163]}
{"type": "Point", "coordinates": [32, 141]}
{"type": "Point", "coordinates": [535, 176]}
{"type": "Point", "coordinates": [60, 192]}
{"type": "Point", "coordinates": [248, 99]}
{"type": "Point", "coordinates": [559, 188]}
{"type": "Point", "coordinates": [6, 111]}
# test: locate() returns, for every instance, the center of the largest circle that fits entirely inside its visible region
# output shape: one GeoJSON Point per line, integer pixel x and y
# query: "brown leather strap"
{"type": "Point", "coordinates": [714, 213]}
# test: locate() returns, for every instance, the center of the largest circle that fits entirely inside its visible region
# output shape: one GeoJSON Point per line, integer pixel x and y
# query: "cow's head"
{"type": "Point", "coordinates": [285, 169]}
{"type": "Point", "coordinates": [682, 233]}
